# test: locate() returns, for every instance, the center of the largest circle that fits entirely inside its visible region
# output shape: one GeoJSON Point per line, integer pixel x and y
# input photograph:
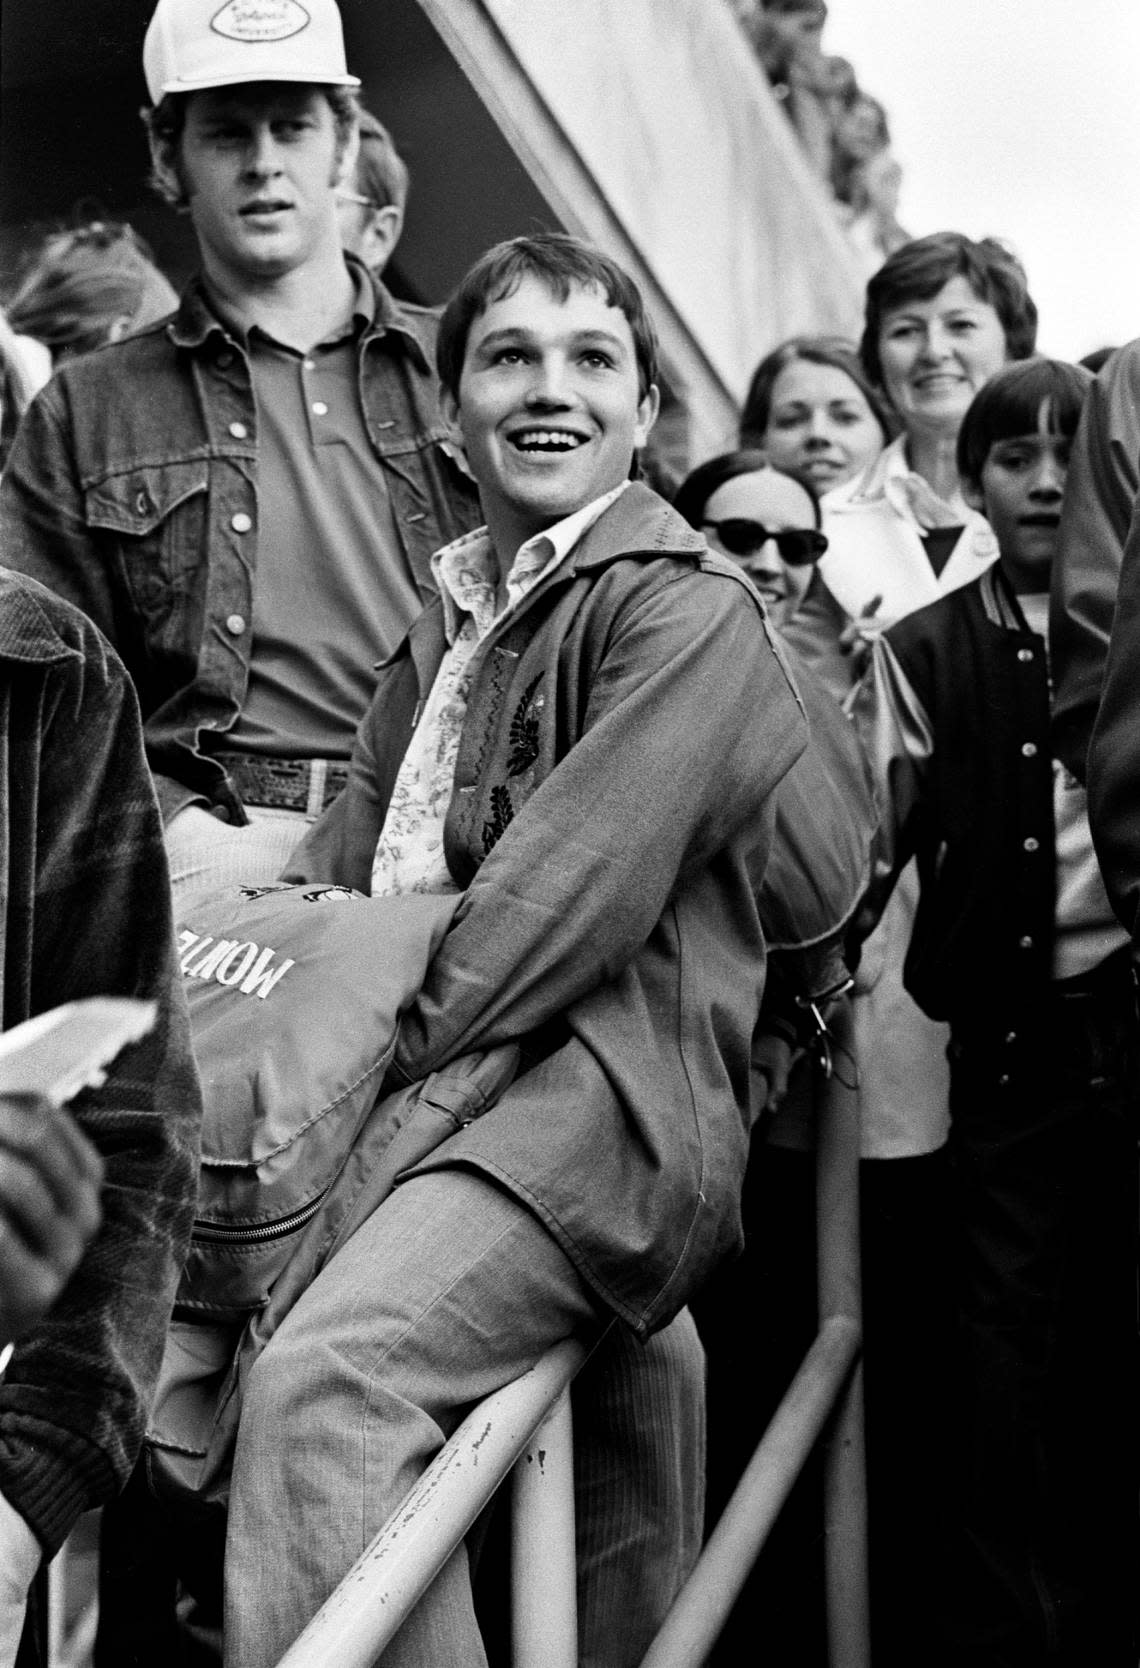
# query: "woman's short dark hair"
{"type": "Point", "coordinates": [699, 485]}
{"type": "Point", "coordinates": [560, 262]}
{"type": "Point", "coordinates": [834, 351]}
{"type": "Point", "coordinates": [925, 265]}
{"type": "Point", "coordinates": [166, 120]}
{"type": "Point", "coordinates": [1009, 404]}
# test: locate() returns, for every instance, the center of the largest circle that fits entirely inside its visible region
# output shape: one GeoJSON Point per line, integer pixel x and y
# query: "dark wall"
{"type": "Point", "coordinates": [71, 143]}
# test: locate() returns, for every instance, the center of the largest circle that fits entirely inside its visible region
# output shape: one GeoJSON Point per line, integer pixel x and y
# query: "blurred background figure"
{"type": "Point", "coordinates": [78, 289]}
{"type": "Point", "coordinates": [371, 209]}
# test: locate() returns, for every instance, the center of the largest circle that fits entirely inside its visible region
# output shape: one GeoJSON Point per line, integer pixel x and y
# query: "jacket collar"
{"type": "Point", "coordinates": [196, 322]}
{"type": "Point", "coordinates": [639, 523]}
{"type": "Point", "coordinates": [27, 632]}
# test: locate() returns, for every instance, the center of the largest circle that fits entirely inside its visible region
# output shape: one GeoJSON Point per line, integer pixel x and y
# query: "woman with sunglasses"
{"type": "Point", "coordinates": [762, 519]}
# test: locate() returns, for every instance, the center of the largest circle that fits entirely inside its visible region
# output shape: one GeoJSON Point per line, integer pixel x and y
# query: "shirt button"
{"type": "Point", "coordinates": [1025, 654]}
{"type": "Point", "coordinates": [241, 523]}
{"type": "Point", "coordinates": [1029, 750]}
{"type": "Point", "coordinates": [1030, 844]}
{"type": "Point", "coordinates": [235, 625]}
{"type": "Point", "coordinates": [310, 364]}
{"type": "Point", "coordinates": [320, 409]}
{"type": "Point", "coordinates": [1025, 942]}
{"type": "Point", "coordinates": [238, 430]}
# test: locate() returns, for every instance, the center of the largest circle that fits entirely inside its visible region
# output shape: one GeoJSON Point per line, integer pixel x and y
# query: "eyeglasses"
{"type": "Point", "coordinates": [355, 197]}
{"type": "Point", "coordinates": [797, 545]}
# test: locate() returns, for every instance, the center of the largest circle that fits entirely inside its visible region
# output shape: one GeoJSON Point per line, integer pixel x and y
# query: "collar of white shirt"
{"type": "Point", "coordinates": [467, 569]}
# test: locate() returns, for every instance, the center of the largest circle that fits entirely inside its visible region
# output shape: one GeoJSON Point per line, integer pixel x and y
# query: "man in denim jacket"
{"type": "Point", "coordinates": [246, 496]}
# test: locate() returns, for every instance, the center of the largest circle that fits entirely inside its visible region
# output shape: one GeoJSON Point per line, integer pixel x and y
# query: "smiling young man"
{"type": "Point", "coordinates": [569, 736]}
{"type": "Point", "coordinates": [246, 496]}
{"type": "Point", "coordinates": [1015, 944]}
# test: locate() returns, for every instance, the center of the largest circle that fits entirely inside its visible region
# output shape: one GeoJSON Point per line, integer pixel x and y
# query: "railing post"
{"type": "Point", "coordinates": [837, 1240]}
{"type": "Point", "coordinates": [360, 1617]}
{"type": "Point", "coordinates": [544, 1588]}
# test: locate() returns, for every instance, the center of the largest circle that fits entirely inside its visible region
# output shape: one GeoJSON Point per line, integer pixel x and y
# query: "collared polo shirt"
{"type": "Point", "coordinates": [335, 592]}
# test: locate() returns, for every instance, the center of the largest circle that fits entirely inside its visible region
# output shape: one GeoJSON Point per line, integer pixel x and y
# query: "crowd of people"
{"type": "Point", "coordinates": [309, 589]}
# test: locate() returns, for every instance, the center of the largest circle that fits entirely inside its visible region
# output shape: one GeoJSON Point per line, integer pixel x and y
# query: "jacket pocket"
{"type": "Point", "coordinates": [157, 516]}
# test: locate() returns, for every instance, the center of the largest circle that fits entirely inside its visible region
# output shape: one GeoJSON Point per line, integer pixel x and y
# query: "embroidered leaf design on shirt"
{"type": "Point", "coordinates": [523, 732]}
{"type": "Point", "coordinates": [502, 813]}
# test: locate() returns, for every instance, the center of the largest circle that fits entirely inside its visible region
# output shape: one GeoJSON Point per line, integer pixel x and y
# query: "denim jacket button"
{"type": "Point", "coordinates": [238, 430]}
{"type": "Point", "coordinates": [1025, 942]}
{"type": "Point", "coordinates": [235, 625]}
{"type": "Point", "coordinates": [1025, 655]}
{"type": "Point", "coordinates": [1029, 749]}
{"type": "Point", "coordinates": [241, 523]}
{"type": "Point", "coordinates": [1030, 844]}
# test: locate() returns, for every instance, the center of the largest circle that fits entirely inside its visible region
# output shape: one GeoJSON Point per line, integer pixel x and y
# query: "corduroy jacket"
{"type": "Point", "coordinates": [626, 731]}
{"type": "Point", "coordinates": [85, 911]}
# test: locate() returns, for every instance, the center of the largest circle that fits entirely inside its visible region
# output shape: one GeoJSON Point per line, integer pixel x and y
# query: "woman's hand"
{"type": "Point", "coordinates": [858, 634]}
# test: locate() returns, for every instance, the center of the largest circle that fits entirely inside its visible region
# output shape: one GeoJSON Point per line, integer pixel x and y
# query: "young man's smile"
{"type": "Point", "coordinates": [550, 408]}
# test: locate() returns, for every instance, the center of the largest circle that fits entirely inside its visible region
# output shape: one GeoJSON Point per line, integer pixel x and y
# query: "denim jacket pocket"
{"type": "Point", "coordinates": [157, 516]}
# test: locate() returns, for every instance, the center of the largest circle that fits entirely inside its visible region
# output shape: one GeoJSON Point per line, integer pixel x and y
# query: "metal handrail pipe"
{"type": "Point", "coordinates": [702, 1607]}
{"type": "Point", "coordinates": [362, 1614]}
{"type": "Point", "coordinates": [544, 1585]}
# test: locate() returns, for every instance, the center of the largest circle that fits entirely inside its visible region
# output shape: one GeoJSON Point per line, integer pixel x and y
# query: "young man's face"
{"type": "Point", "coordinates": [259, 163]}
{"type": "Point", "coordinates": [549, 408]}
{"type": "Point", "coordinates": [1022, 486]}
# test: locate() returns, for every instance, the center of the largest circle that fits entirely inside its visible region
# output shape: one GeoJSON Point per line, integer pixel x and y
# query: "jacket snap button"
{"type": "Point", "coordinates": [1031, 844]}
{"type": "Point", "coordinates": [1025, 942]}
{"type": "Point", "coordinates": [238, 430]}
{"type": "Point", "coordinates": [1029, 750]}
{"type": "Point", "coordinates": [1025, 654]}
{"type": "Point", "coordinates": [241, 523]}
{"type": "Point", "coordinates": [1003, 1080]}
{"type": "Point", "coordinates": [1010, 1037]}
{"type": "Point", "coordinates": [141, 504]}
{"type": "Point", "coordinates": [235, 625]}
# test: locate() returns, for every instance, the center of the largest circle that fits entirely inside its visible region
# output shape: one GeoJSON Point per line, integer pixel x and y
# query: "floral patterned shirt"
{"type": "Point", "coordinates": [409, 854]}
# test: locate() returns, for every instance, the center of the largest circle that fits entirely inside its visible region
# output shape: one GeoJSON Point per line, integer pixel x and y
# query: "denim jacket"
{"type": "Point", "coordinates": [132, 491]}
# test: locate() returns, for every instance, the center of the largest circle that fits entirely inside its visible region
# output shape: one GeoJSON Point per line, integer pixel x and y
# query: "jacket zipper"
{"type": "Point", "coordinates": [257, 1233]}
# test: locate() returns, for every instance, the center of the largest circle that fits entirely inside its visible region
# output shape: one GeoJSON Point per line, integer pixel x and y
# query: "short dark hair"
{"type": "Point", "coordinates": [166, 120]}
{"type": "Point", "coordinates": [560, 262]}
{"type": "Point", "coordinates": [699, 485]}
{"type": "Point", "coordinates": [925, 265]}
{"type": "Point", "coordinates": [381, 173]}
{"type": "Point", "coordinates": [1008, 404]}
{"type": "Point", "coordinates": [834, 351]}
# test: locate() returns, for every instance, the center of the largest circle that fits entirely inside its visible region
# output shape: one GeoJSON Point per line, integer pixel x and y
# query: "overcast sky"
{"type": "Point", "coordinates": [1021, 118]}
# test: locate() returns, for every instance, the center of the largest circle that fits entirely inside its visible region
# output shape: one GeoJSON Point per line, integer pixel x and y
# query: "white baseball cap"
{"type": "Point", "coordinates": [192, 44]}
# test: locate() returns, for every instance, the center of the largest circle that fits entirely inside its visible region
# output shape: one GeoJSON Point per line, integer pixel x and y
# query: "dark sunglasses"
{"type": "Point", "coordinates": [797, 545]}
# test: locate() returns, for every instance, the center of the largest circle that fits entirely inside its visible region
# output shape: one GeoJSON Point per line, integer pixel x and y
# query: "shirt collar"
{"type": "Point", "coordinates": [465, 570]}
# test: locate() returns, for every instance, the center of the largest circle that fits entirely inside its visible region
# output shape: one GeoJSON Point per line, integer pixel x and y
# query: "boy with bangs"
{"type": "Point", "coordinates": [1016, 946]}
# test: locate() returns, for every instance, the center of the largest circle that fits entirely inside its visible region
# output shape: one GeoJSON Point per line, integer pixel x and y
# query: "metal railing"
{"type": "Point", "coordinates": [526, 1425]}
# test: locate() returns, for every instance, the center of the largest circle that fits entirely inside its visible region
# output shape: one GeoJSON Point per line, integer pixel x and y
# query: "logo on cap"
{"type": "Point", "coordinates": [260, 20]}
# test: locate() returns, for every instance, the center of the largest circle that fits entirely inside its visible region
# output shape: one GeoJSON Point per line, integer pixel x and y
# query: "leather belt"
{"type": "Point", "coordinates": [306, 785]}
